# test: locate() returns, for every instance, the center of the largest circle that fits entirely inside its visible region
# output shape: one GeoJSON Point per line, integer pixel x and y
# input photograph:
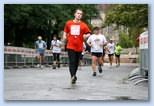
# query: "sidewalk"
{"type": "Point", "coordinates": [49, 84]}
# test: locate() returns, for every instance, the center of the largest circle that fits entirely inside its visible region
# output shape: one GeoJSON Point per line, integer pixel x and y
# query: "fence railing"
{"type": "Point", "coordinates": [16, 57]}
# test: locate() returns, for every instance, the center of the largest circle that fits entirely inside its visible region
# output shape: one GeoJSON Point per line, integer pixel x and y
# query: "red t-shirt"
{"type": "Point", "coordinates": [75, 32]}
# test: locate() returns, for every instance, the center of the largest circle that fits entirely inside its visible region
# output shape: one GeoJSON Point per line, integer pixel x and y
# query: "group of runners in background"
{"type": "Point", "coordinates": [76, 37]}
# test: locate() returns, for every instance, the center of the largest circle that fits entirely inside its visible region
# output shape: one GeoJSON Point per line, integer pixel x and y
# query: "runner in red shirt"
{"type": "Point", "coordinates": [75, 31]}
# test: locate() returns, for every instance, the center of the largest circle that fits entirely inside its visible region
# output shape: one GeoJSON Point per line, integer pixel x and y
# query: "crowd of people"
{"type": "Point", "coordinates": [77, 35]}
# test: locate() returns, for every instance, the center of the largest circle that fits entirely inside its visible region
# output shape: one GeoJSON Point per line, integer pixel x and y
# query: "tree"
{"type": "Point", "coordinates": [134, 17]}
{"type": "Point", "coordinates": [124, 41]}
{"type": "Point", "coordinates": [24, 22]}
{"type": "Point", "coordinates": [129, 15]}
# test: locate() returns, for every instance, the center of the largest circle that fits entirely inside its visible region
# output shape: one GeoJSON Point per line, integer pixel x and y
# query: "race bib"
{"type": "Point", "coordinates": [75, 29]}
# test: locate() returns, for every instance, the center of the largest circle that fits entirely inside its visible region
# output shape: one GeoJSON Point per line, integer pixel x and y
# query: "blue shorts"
{"type": "Point", "coordinates": [40, 51]}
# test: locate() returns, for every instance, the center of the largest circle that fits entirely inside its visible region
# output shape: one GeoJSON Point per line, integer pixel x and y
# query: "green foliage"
{"type": "Point", "coordinates": [129, 15]}
{"type": "Point", "coordinates": [124, 41]}
{"type": "Point", "coordinates": [24, 22]}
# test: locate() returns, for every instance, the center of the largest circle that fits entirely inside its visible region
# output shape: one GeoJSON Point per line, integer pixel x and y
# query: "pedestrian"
{"type": "Point", "coordinates": [75, 31]}
{"type": "Point", "coordinates": [96, 41]}
{"type": "Point", "coordinates": [110, 50]}
{"type": "Point", "coordinates": [118, 49]}
{"type": "Point", "coordinates": [40, 47]}
{"type": "Point", "coordinates": [56, 51]}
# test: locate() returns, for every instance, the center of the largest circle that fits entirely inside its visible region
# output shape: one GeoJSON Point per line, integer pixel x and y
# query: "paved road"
{"type": "Point", "coordinates": [48, 84]}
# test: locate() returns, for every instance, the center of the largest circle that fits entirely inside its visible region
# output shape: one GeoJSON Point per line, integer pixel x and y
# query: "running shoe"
{"type": "Point", "coordinates": [94, 74]}
{"type": "Point", "coordinates": [100, 69]}
{"type": "Point", "coordinates": [73, 80]}
{"type": "Point", "coordinates": [54, 67]}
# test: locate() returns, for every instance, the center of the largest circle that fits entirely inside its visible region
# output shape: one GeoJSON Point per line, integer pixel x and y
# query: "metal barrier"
{"type": "Point", "coordinates": [144, 53]}
{"type": "Point", "coordinates": [144, 60]}
{"type": "Point", "coordinates": [18, 57]}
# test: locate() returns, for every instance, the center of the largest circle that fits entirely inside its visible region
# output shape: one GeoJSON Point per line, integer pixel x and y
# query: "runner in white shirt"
{"type": "Point", "coordinates": [96, 42]}
{"type": "Point", "coordinates": [110, 50]}
{"type": "Point", "coordinates": [56, 50]}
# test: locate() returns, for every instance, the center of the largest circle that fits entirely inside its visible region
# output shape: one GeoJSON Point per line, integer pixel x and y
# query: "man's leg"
{"type": "Point", "coordinates": [41, 59]}
{"type": "Point", "coordinates": [77, 60]}
{"type": "Point", "coordinates": [100, 62]}
{"type": "Point", "coordinates": [38, 60]}
{"type": "Point", "coordinates": [110, 59]}
{"type": "Point", "coordinates": [119, 60]}
{"type": "Point", "coordinates": [54, 61]}
{"type": "Point", "coordinates": [58, 60]}
{"type": "Point", "coordinates": [72, 59]}
{"type": "Point", "coordinates": [94, 58]}
{"type": "Point", "coordinates": [80, 61]}
{"type": "Point", "coordinates": [116, 59]}
{"type": "Point", "coordinates": [73, 64]}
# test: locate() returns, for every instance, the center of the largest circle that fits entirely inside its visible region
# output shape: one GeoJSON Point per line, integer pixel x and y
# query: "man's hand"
{"type": "Point", "coordinates": [90, 44]}
{"type": "Point", "coordinates": [64, 36]}
{"type": "Point", "coordinates": [86, 36]}
{"type": "Point", "coordinates": [64, 40]}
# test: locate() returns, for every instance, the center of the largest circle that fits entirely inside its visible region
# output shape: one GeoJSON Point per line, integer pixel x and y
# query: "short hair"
{"type": "Point", "coordinates": [77, 10]}
{"type": "Point", "coordinates": [96, 29]}
{"type": "Point", "coordinates": [55, 35]}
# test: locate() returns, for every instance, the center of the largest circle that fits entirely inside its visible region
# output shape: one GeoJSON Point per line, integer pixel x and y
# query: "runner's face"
{"type": "Point", "coordinates": [78, 14]}
{"type": "Point", "coordinates": [111, 41]}
{"type": "Point", "coordinates": [54, 38]}
{"type": "Point", "coordinates": [96, 32]}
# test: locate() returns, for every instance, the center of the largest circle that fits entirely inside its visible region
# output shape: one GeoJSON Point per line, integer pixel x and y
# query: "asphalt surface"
{"type": "Point", "coordinates": [49, 84]}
